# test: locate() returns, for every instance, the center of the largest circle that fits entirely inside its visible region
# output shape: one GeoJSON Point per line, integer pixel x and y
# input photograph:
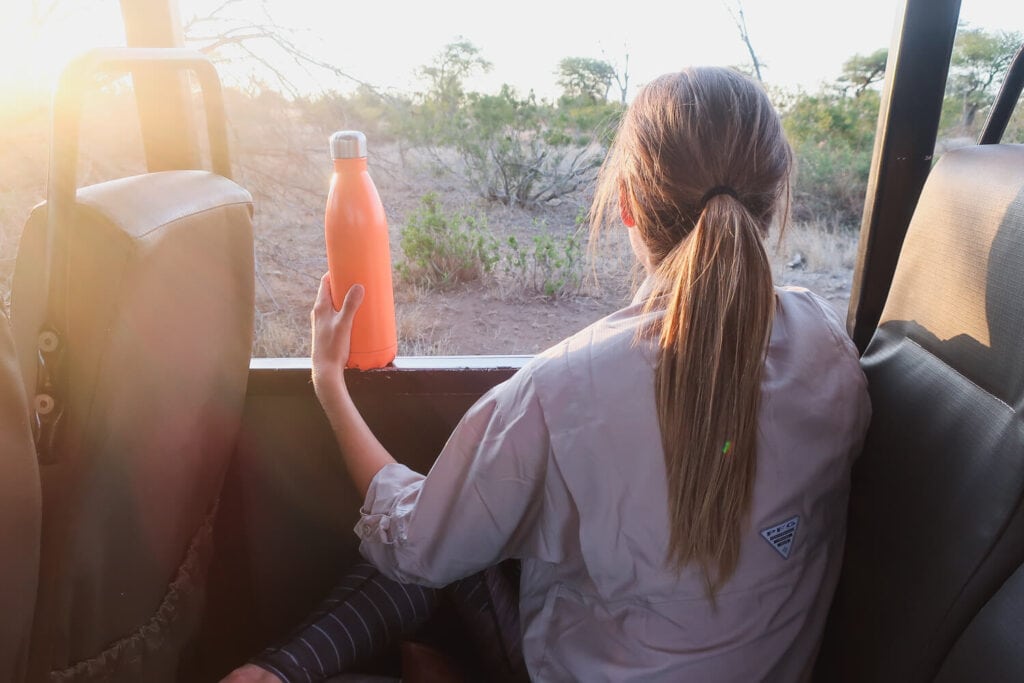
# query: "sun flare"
{"type": "Point", "coordinates": [38, 39]}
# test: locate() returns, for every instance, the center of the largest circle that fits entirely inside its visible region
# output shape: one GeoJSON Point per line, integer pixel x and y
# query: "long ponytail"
{"type": "Point", "coordinates": [712, 342]}
{"type": "Point", "coordinates": [700, 169]}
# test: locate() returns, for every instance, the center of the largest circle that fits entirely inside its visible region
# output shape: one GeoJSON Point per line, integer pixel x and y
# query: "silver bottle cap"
{"type": "Point", "coordinates": [348, 144]}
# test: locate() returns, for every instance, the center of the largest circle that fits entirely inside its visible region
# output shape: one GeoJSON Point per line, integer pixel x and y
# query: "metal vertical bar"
{"type": "Point", "coordinates": [164, 98]}
{"type": "Point", "coordinates": [1006, 101]}
{"type": "Point", "coordinates": [908, 124]}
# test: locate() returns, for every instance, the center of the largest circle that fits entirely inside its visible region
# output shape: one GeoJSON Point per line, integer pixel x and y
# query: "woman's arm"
{"type": "Point", "coordinates": [480, 502]}
{"type": "Point", "coordinates": [332, 331]}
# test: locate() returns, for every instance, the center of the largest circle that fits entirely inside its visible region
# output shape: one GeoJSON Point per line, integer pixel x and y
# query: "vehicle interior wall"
{"type": "Point", "coordinates": [284, 533]}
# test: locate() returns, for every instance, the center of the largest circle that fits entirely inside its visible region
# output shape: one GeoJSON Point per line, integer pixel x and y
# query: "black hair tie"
{"type": "Point", "coordinates": [715, 191]}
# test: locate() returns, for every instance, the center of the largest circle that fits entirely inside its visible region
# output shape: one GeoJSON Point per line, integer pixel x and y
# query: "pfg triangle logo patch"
{"type": "Point", "coordinates": [781, 535]}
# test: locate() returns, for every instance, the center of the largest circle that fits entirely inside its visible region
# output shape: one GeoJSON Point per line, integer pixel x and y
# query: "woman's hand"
{"type": "Point", "coordinates": [250, 673]}
{"type": "Point", "coordinates": [332, 333]}
{"type": "Point", "coordinates": [332, 337]}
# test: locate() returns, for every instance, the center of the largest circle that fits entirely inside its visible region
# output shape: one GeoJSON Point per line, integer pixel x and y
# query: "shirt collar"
{"type": "Point", "coordinates": [645, 291]}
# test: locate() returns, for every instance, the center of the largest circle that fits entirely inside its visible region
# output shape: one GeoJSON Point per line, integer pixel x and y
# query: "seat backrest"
{"type": "Point", "coordinates": [19, 515]}
{"type": "Point", "coordinates": [992, 647]}
{"type": "Point", "coordinates": [157, 308]}
{"type": "Point", "coordinates": [935, 507]}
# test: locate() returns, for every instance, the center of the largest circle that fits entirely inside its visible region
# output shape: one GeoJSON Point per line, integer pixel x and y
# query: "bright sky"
{"type": "Point", "coordinates": [802, 42]}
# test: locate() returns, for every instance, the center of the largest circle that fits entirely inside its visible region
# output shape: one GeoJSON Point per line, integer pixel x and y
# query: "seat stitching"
{"type": "Point", "coordinates": [965, 377]}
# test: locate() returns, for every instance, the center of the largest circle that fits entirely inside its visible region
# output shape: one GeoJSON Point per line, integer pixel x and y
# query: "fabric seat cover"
{"type": "Point", "coordinates": [158, 319]}
{"type": "Point", "coordinates": [994, 641]}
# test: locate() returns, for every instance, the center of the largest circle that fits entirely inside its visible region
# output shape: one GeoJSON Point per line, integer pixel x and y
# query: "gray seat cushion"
{"type": "Point", "coordinates": [993, 642]}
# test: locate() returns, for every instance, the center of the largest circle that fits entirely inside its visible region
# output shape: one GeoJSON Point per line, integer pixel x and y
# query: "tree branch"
{"type": "Point", "coordinates": [220, 33]}
{"type": "Point", "coordinates": [740, 20]}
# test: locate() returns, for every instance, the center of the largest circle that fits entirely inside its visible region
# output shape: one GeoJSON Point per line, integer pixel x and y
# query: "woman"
{"type": "Point", "coordinates": [674, 477]}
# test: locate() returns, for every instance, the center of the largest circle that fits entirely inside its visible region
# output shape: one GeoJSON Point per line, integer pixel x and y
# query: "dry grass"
{"type": "Point", "coordinates": [280, 336]}
{"type": "Point", "coordinates": [825, 247]}
{"type": "Point", "coordinates": [820, 257]}
{"type": "Point", "coordinates": [422, 333]}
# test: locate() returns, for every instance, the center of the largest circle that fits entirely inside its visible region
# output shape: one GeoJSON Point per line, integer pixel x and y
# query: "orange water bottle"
{"type": "Point", "coordinates": [358, 251]}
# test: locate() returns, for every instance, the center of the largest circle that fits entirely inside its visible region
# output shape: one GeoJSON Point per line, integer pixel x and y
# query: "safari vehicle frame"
{"type": "Point", "coordinates": [286, 509]}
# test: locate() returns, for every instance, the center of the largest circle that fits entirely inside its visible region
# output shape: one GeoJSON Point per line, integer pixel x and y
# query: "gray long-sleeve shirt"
{"type": "Point", "coordinates": [562, 466]}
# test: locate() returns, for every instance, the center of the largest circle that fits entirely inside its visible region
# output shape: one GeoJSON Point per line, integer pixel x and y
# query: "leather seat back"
{"type": "Point", "coordinates": [937, 493]}
{"type": "Point", "coordinates": [992, 647]}
{"type": "Point", "coordinates": [157, 320]}
{"type": "Point", "coordinates": [19, 515]}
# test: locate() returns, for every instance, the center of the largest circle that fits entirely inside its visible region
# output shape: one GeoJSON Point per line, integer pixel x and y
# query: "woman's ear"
{"type": "Point", "coordinates": [624, 210]}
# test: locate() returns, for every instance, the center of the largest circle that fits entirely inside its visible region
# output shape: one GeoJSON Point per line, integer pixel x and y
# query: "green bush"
{"type": "Point", "coordinates": [548, 265]}
{"type": "Point", "coordinates": [832, 134]}
{"type": "Point", "coordinates": [441, 250]}
{"type": "Point", "coordinates": [830, 183]}
{"type": "Point", "coordinates": [585, 123]}
{"type": "Point", "coordinates": [833, 116]}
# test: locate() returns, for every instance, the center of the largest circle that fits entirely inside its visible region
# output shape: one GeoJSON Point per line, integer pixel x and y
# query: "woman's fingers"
{"type": "Point", "coordinates": [332, 330]}
{"type": "Point", "coordinates": [324, 298]}
{"type": "Point", "coordinates": [353, 298]}
{"type": "Point", "coordinates": [323, 295]}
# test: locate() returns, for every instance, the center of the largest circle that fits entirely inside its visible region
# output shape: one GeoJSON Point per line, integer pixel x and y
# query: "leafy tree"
{"type": "Point", "coordinates": [448, 72]}
{"type": "Point", "coordinates": [832, 117]}
{"type": "Point", "coordinates": [862, 71]}
{"type": "Point", "coordinates": [979, 61]}
{"type": "Point", "coordinates": [434, 117]}
{"type": "Point", "coordinates": [832, 133]}
{"type": "Point", "coordinates": [585, 79]}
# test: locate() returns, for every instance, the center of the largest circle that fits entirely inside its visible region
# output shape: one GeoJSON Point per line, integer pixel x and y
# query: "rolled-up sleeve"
{"type": "Point", "coordinates": [480, 503]}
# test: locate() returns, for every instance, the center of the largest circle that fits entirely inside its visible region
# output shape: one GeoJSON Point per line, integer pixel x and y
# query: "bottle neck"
{"type": "Point", "coordinates": [355, 164]}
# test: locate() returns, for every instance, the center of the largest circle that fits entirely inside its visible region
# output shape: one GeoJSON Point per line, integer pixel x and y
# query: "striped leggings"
{"type": "Point", "coordinates": [366, 612]}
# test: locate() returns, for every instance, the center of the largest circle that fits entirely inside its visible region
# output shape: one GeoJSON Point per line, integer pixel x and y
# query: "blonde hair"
{"type": "Point", "coordinates": [700, 166]}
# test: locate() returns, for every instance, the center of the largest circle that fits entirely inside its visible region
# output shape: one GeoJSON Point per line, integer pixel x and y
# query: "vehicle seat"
{"type": "Point", "coordinates": [157, 309]}
{"type": "Point", "coordinates": [936, 522]}
{"type": "Point", "coordinates": [19, 514]}
{"type": "Point", "coordinates": [994, 640]}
